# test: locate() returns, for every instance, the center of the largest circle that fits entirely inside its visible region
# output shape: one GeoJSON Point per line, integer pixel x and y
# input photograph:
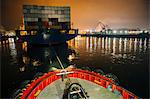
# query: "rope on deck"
{"type": "Point", "coordinates": [68, 79]}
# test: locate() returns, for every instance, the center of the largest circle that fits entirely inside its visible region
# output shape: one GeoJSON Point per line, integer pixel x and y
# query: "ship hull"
{"type": "Point", "coordinates": [47, 38]}
{"type": "Point", "coordinates": [51, 39]}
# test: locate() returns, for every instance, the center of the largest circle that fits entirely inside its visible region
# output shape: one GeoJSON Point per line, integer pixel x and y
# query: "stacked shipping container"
{"type": "Point", "coordinates": [43, 17]}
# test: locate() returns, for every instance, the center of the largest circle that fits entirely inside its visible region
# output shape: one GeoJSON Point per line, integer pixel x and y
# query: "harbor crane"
{"type": "Point", "coordinates": [100, 27]}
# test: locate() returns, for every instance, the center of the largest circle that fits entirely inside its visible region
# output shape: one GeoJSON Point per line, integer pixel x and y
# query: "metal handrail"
{"type": "Point", "coordinates": [35, 87]}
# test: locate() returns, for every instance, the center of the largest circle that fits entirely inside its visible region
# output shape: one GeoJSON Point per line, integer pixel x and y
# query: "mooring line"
{"type": "Point", "coordinates": [61, 65]}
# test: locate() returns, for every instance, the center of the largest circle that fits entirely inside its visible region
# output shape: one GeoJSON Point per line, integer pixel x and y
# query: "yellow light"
{"type": "Point", "coordinates": [71, 32]}
{"type": "Point", "coordinates": [24, 46]}
{"type": "Point", "coordinates": [37, 93]}
{"type": "Point", "coordinates": [62, 31]}
{"type": "Point", "coordinates": [23, 33]}
{"type": "Point", "coordinates": [70, 58]}
{"type": "Point", "coordinates": [33, 32]}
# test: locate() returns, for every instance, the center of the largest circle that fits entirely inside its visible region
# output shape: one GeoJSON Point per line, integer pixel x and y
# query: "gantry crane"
{"type": "Point", "coordinates": [100, 27]}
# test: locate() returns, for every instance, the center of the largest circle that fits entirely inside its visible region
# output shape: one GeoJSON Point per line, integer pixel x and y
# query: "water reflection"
{"type": "Point", "coordinates": [21, 62]}
{"type": "Point", "coordinates": [111, 45]}
{"type": "Point", "coordinates": [110, 50]}
{"type": "Point", "coordinates": [127, 58]}
{"type": "Point", "coordinates": [42, 59]}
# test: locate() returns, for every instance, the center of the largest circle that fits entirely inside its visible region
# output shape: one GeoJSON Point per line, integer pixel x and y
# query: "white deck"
{"type": "Point", "coordinates": [55, 90]}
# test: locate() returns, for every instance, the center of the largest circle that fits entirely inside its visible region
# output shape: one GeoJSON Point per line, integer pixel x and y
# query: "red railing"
{"type": "Point", "coordinates": [39, 84]}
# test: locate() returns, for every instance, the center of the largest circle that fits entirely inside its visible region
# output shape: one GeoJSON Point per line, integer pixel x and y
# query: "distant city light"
{"type": "Point", "coordinates": [126, 31]}
{"type": "Point", "coordinates": [121, 31]}
{"type": "Point", "coordinates": [90, 31]}
{"type": "Point", "coordinates": [145, 31]}
{"type": "Point", "coordinates": [141, 31]}
{"type": "Point", "coordinates": [114, 31]}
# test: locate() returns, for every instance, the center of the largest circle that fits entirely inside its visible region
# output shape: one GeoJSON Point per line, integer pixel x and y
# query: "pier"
{"type": "Point", "coordinates": [143, 35]}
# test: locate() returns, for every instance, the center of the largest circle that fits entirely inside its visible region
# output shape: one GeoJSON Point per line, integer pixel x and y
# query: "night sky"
{"type": "Point", "coordinates": [85, 14]}
{"type": "Point", "coordinates": [149, 13]}
{"type": "Point", "coordinates": [0, 12]}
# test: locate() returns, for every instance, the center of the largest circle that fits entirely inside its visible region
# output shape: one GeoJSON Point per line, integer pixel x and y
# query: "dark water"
{"type": "Point", "coordinates": [127, 58]}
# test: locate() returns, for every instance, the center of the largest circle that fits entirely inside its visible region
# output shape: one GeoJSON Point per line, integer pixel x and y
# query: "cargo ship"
{"type": "Point", "coordinates": [51, 36]}
{"type": "Point", "coordinates": [46, 25]}
{"type": "Point", "coordinates": [73, 83]}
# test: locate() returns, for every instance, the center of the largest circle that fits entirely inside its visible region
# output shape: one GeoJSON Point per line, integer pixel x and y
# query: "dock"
{"type": "Point", "coordinates": [142, 35]}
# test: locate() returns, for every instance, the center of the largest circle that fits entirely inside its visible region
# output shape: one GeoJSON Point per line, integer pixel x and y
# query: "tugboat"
{"type": "Point", "coordinates": [72, 83]}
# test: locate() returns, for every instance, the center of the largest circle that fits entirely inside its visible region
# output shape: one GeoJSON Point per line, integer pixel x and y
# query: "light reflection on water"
{"type": "Point", "coordinates": [124, 48]}
{"type": "Point", "coordinates": [13, 52]}
{"type": "Point", "coordinates": [127, 58]}
{"type": "Point", "coordinates": [111, 45]}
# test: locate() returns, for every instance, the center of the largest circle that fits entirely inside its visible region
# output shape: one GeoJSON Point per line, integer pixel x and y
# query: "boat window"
{"type": "Point", "coordinates": [62, 31]}
{"type": "Point", "coordinates": [23, 33]}
{"type": "Point", "coordinates": [71, 32]}
{"type": "Point", "coordinates": [33, 32]}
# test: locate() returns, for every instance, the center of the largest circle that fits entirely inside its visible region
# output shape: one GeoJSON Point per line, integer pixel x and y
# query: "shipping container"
{"type": "Point", "coordinates": [46, 16]}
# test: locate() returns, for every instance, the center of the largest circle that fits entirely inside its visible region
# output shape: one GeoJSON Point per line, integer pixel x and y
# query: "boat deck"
{"type": "Point", "coordinates": [56, 89]}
